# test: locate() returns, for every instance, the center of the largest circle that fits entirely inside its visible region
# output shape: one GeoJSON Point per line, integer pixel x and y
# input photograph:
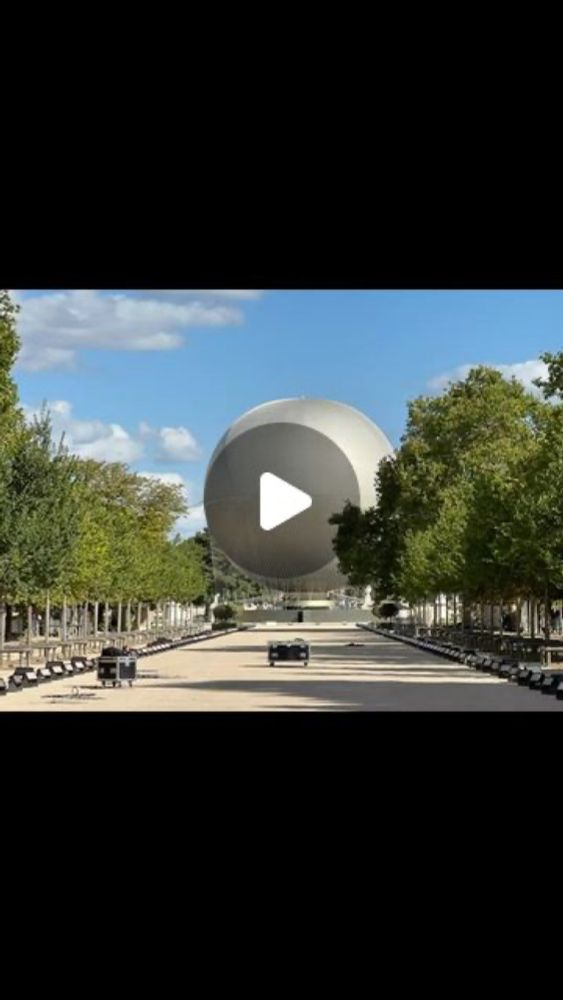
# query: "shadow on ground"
{"type": "Point", "coordinates": [382, 696]}
{"type": "Point", "coordinates": [379, 675]}
{"type": "Point", "coordinates": [371, 652]}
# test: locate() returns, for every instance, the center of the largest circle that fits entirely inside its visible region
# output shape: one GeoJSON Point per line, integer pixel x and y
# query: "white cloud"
{"type": "Point", "coordinates": [177, 444]}
{"type": "Point", "coordinates": [110, 442]}
{"type": "Point", "coordinates": [61, 406]}
{"type": "Point", "coordinates": [524, 371]}
{"type": "Point", "coordinates": [54, 326]}
{"type": "Point", "coordinates": [115, 446]}
{"type": "Point", "coordinates": [174, 444]}
{"type": "Point", "coordinates": [39, 360]}
{"type": "Point", "coordinates": [192, 523]}
{"type": "Point", "coordinates": [240, 294]}
{"type": "Point", "coordinates": [439, 382]}
{"type": "Point", "coordinates": [90, 438]}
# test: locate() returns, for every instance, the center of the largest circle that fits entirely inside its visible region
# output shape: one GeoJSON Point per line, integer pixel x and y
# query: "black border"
{"type": "Point", "coordinates": [421, 767]}
{"type": "Point", "coordinates": [382, 241]}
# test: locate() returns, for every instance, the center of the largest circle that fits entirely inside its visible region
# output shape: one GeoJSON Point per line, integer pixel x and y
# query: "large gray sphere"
{"type": "Point", "coordinates": [327, 449]}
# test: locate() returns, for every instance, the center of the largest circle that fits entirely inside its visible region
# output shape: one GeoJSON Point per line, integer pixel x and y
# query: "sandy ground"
{"type": "Point", "coordinates": [231, 673]}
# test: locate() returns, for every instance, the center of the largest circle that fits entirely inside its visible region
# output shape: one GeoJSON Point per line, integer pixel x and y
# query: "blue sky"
{"type": "Point", "coordinates": [155, 378]}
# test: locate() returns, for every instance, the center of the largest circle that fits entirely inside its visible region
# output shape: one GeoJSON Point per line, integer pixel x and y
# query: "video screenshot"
{"type": "Point", "coordinates": [259, 500]}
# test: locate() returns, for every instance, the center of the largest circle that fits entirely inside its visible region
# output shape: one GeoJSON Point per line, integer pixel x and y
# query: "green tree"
{"type": "Point", "coordinates": [220, 576]}
{"type": "Point", "coordinates": [224, 613]}
{"type": "Point", "coordinates": [10, 412]}
{"type": "Point", "coordinates": [553, 384]}
{"type": "Point", "coordinates": [11, 424]}
{"type": "Point", "coordinates": [44, 510]}
{"type": "Point", "coordinates": [445, 499]}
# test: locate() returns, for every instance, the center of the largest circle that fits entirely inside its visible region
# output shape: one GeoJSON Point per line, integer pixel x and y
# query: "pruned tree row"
{"type": "Point", "coordinates": [471, 503]}
{"type": "Point", "coordinates": [81, 533]}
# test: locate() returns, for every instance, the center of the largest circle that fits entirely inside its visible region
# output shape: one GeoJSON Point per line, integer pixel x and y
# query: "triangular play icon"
{"type": "Point", "coordinates": [280, 501]}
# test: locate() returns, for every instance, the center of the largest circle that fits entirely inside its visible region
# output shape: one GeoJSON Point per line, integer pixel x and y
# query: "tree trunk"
{"type": "Point", "coordinates": [63, 621]}
{"type": "Point", "coordinates": [455, 610]}
{"type": "Point", "coordinates": [547, 616]}
{"type": "Point", "coordinates": [96, 618]}
{"type": "Point", "coordinates": [466, 607]}
{"type": "Point", "coordinates": [9, 616]}
{"type": "Point", "coordinates": [105, 619]}
{"type": "Point", "coordinates": [29, 624]}
{"type": "Point", "coordinates": [500, 614]}
{"type": "Point", "coordinates": [128, 616]}
{"type": "Point", "coordinates": [2, 626]}
{"type": "Point", "coordinates": [47, 617]}
{"type": "Point", "coordinates": [119, 605]}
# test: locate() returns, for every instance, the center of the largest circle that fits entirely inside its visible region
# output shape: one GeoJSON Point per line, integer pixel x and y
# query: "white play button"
{"type": "Point", "coordinates": [279, 501]}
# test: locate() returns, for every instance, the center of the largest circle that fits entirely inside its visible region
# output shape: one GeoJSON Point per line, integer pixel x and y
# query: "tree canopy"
{"type": "Point", "coordinates": [79, 528]}
{"type": "Point", "coordinates": [219, 573]}
{"type": "Point", "coordinates": [472, 500]}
